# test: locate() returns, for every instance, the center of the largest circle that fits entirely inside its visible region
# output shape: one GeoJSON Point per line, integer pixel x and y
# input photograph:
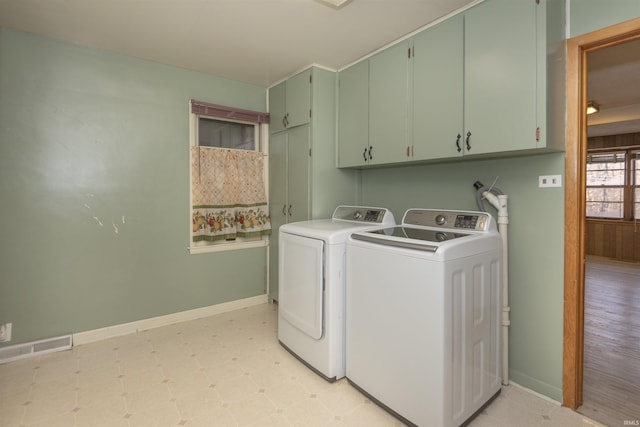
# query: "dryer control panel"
{"type": "Point", "coordinates": [362, 214]}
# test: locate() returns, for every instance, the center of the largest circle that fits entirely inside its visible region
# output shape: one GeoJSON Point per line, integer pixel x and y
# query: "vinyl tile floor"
{"type": "Point", "coordinates": [223, 370]}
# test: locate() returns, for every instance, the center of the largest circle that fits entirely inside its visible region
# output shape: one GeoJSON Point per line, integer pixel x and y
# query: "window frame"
{"type": "Point", "coordinates": [629, 186]}
{"type": "Point", "coordinates": [222, 113]}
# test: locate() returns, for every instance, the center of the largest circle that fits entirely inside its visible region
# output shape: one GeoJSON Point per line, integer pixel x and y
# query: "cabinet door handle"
{"type": "Point", "coordinates": [370, 152]}
{"type": "Point", "coordinates": [290, 210]}
{"type": "Point", "coordinates": [458, 143]}
{"type": "Point", "coordinates": [284, 209]}
{"type": "Point", "coordinates": [364, 154]}
{"type": "Point", "coordinates": [407, 151]}
{"type": "Point", "coordinates": [467, 141]}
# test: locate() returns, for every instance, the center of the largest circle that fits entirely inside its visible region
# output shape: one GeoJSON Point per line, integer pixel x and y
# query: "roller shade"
{"type": "Point", "coordinates": [224, 112]}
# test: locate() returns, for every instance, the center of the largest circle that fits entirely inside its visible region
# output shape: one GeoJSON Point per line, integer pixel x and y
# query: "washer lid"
{"type": "Point", "coordinates": [415, 233]}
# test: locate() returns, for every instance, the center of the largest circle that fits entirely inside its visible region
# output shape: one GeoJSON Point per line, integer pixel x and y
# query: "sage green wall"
{"type": "Point", "coordinates": [94, 190]}
{"type": "Point", "coordinates": [536, 251]}
{"type": "Point", "coordinates": [591, 15]}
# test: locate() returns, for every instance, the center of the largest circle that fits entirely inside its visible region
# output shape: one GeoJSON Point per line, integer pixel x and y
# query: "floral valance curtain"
{"type": "Point", "coordinates": [228, 194]}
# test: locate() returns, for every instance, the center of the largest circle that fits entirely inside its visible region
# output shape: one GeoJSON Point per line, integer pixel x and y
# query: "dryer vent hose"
{"type": "Point", "coordinates": [489, 193]}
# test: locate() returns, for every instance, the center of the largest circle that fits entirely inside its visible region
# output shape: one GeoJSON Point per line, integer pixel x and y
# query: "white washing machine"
{"type": "Point", "coordinates": [423, 314]}
{"type": "Point", "coordinates": [312, 285]}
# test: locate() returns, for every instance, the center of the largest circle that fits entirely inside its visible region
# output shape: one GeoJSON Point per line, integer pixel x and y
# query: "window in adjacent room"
{"type": "Point", "coordinates": [229, 178]}
{"type": "Point", "coordinates": [613, 179]}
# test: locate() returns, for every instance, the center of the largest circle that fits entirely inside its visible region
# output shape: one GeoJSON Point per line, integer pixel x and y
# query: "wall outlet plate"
{"type": "Point", "coordinates": [5, 332]}
{"type": "Point", "coordinates": [545, 181]}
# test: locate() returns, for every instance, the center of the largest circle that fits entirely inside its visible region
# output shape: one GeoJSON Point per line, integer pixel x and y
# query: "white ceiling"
{"type": "Point", "coordinates": [262, 42]}
{"type": "Point", "coordinates": [613, 81]}
{"type": "Point", "coordinates": [255, 41]}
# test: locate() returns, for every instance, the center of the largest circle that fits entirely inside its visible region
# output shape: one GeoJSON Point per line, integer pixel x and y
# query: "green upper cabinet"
{"type": "Point", "coordinates": [353, 115]}
{"type": "Point", "coordinates": [388, 105]}
{"type": "Point", "coordinates": [290, 102]}
{"type": "Point", "coordinates": [474, 84]}
{"type": "Point", "coordinates": [438, 75]}
{"type": "Point", "coordinates": [502, 78]}
{"type": "Point", "coordinates": [479, 82]}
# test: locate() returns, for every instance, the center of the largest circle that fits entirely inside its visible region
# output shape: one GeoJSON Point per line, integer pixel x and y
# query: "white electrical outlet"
{"type": "Point", "coordinates": [5, 332]}
{"type": "Point", "coordinates": [545, 181]}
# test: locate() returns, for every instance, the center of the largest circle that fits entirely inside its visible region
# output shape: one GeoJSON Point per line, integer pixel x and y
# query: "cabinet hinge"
{"type": "Point", "coordinates": [538, 134]}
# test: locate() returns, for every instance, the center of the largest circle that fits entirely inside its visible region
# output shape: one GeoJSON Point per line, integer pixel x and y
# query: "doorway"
{"type": "Point", "coordinates": [576, 145]}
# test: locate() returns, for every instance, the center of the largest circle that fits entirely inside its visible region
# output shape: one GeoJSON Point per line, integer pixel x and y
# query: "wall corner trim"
{"type": "Point", "coordinates": [94, 335]}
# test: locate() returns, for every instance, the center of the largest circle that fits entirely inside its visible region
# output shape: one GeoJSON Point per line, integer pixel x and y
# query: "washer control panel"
{"type": "Point", "coordinates": [477, 221]}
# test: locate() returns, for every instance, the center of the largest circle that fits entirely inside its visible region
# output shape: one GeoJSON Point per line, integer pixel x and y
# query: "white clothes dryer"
{"type": "Point", "coordinates": [423, 308]}
{"type": "Point", "coordinates": [311, 294]}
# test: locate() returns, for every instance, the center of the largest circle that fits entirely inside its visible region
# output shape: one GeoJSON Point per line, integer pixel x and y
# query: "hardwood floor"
{"type": "Point", "coordinates": [612, 342]}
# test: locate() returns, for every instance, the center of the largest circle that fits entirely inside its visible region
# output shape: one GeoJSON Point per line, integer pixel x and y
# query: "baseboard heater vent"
{"type": "Point", "coordinates": [35, 348]}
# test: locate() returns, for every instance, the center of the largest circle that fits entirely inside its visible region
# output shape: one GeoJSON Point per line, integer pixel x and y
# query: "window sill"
{"type": "Point", "coordinates": [594, 220]}
{"type": "Point", "coordinates": [224, 247]}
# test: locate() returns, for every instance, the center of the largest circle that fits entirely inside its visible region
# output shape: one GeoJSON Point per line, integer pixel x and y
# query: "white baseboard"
{"type": "Point", "coordinates": [169, 319]}
{"type": "Point", "coordinates": [535, 393]}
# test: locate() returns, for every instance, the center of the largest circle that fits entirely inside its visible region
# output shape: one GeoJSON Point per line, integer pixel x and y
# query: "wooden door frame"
{"type": "Point", "coordinates": [574, 246]}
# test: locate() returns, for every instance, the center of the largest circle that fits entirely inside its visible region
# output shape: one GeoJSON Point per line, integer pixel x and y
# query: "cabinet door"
{"type": "Point", "coordinates": [298, 99]}
{"type": "Point", "coordinates": [298, 174]}
{"type": "Point", "coordinates": [353, 115]}
{"type": "Point", "coordinates": [388, 104]}
{"type": "Point", "coordinates": [277, 203]}
{"type": "Point", "coordinates": [438, 73]}
{"type": "Point", "coordinates": [277, 108]}
{"type": "Point", "coordinates": [500, 76]}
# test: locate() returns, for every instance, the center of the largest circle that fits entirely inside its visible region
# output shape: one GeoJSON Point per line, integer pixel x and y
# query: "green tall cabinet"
{"type": "Point", "coordinates": [288, 188]}
{"type": "Point", "coordinates": [303, 180]}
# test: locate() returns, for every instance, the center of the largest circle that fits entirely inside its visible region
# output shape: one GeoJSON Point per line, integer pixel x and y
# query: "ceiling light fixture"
{"type": "Point", "coordinates": [592, 107]}
{"type": "Point", "coordinates": [336, 4]}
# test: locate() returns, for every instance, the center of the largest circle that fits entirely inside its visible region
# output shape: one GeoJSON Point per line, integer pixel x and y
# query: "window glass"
{"type": "Point", "coordinates": [225, 134]}
{"type": "Point", "coordinates": [605, 202]}
{"type": "Point", "coordinates": [606, 169]}
{"type": "Point", "coordinates": [605, 184]}
{"type": "Point", "coordinates": [635, 164]}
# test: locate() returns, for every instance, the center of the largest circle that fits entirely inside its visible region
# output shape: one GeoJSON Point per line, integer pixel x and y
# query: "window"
{"type": "Point", "coordinates": [635, 167]}
{"type": "Point", "coordinates": [229, 178]}
{"type": "Point", "coordinates": [612, 184]}
{"type": "Point", "coordinates": [226, 134]}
